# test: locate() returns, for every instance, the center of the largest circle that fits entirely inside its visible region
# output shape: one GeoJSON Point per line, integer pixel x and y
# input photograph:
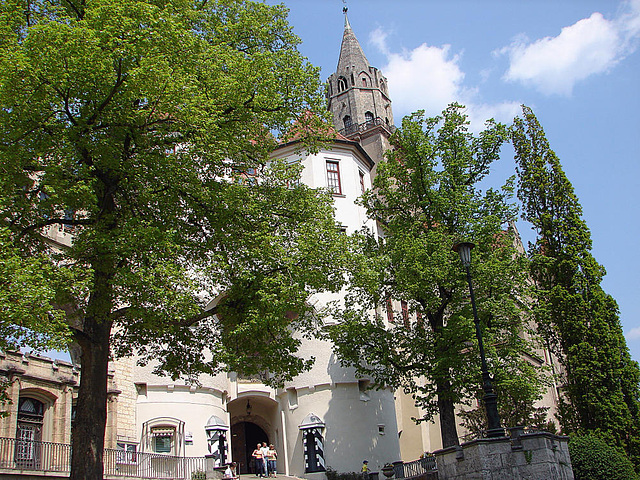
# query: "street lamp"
{"type": "Point", "coordinates": [490, 398]}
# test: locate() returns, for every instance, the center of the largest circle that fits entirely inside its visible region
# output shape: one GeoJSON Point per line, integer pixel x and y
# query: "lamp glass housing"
{"type": "Point", "coordinates": [464, 250]}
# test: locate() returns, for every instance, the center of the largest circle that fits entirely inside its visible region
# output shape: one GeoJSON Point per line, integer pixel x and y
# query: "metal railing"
{"type": "Point", "coordinates": [363, 127]}
{"type": "Point", "coordinates": [31, 455]}
{"type": "Point", "coordinates": [152, 465]}
{"type": "Point", "coordinates": [416, 468]}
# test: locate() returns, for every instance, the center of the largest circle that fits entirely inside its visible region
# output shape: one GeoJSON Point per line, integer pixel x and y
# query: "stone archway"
{"type": "Point", "coordinates": [244, 438]}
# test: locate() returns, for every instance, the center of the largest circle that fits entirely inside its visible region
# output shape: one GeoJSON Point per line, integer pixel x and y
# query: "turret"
{"type": "Point", "coordinates": [358, 97]}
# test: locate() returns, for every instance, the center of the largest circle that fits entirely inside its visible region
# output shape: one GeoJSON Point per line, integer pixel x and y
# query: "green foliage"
{"type": "Point", "coordinates": [427, 198]}
{"type": "Point", "coordinates": [334, 475]}
{"type": "Point", "coordinates": [578, 320]}
{"type": "Point", "coordinates": [132, 123]}
{"type": "Point", "coordinates": [28, 289]}
{"type": "Point", "coordinates": [593, 459]}
{"type": "Point", "coordinates": [517, 395]}
{"type": "Point", "coordinates": [198, 475]}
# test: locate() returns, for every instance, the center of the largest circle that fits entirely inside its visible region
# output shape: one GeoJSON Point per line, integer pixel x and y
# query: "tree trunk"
{"type": "Point", "coordinates": [446, 408]}
{"type": "Point", "coordinates": [87, 440]}
{"type": "Point", "coordinates": [91, 410]}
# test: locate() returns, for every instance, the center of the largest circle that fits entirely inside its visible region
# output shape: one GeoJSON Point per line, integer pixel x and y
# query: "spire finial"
{"type": "Point", "coordinates": [344, 10]}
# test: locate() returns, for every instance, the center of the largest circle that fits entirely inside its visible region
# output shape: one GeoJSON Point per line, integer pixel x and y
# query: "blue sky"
{"type": "Point", "coordinates": [575, 62]}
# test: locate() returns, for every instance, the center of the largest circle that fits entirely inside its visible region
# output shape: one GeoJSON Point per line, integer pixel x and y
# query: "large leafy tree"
{"type": "Point", "coordinates": [577, 318]}
{"type": "Point", "coordinates": [426, 198]}
{"type": "Point", "coordinates": [135, 124]}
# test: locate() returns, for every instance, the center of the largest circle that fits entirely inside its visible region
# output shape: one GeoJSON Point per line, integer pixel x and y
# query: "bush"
{"type": "Point", "coordinates": [593, 459]}
{"type": "Point", "coordinates": [333, 475]}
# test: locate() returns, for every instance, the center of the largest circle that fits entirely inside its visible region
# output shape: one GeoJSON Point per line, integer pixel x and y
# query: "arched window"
{"type": "Point", "coordinates": [342, 84]}
{"type": "Point", "coordinates": [348, 124]}
{"type": "Point", "coordinates": [368, 117]}
{"type": "Point", "coordinates": [29, 432]}
{"type": "Point", "coordinates": [382, 86]}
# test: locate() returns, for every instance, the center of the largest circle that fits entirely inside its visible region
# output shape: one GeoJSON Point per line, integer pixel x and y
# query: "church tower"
{"type": "Point", "coordinates": [358, 98]}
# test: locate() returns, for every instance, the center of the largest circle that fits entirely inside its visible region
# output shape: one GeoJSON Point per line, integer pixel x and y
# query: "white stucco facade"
{"type": "Point", "coordinates": [353, 423]}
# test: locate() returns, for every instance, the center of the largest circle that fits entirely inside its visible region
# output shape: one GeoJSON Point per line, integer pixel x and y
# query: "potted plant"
{"type": "Point", "coordinates": [387, 470]}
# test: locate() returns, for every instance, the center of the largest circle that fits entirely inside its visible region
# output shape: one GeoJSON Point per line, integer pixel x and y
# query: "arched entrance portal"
{"type": "Point", "coordinates": [244, 438]}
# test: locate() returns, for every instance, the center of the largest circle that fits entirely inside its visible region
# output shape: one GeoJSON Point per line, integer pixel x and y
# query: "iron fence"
{"type": "Point", "coordinates": [352, 128]}
{"type": "Point", "coordinates": [416, 468]}
{"type": "Point", "coordinates": [31, 455]}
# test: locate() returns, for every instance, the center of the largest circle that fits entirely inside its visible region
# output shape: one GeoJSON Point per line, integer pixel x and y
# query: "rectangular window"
{"type": "Point", "coordinates": [163, 439]}
{"type": "Point", "coordinates": [126, 452]}
{"type": "Point", "coordinates": [390, 318]}
{"type": "Point", "coordinates": [333, 177]}
{"type": "Point", "coordinates": [163, 444]}
{"type": "Point", "coordinates": [405, 312]}
{"type": "Point", "coordinates": [361, 181]}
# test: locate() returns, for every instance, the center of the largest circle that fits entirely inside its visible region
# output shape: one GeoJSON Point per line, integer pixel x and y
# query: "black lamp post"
{"type": "Point", "coordinates": [490, 398]}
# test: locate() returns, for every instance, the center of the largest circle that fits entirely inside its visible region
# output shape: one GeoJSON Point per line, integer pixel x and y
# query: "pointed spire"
{"type": "Point", "coordinates": [351, 53]}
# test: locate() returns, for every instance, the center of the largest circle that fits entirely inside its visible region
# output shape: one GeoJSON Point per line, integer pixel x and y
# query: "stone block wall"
{"type": "Point", "coordinates": [532, 456]}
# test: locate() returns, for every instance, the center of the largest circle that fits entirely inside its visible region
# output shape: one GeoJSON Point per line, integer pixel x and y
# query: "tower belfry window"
{"type": "Point", "coordinates": [348, 124]}
{"type": "Point", "coordinates": [342, 84]}
{"type": "Point", "coordinates": [368, 117]}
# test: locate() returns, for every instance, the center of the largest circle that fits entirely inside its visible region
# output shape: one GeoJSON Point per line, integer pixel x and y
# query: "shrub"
{"type": "Point", "coordinates": [593, 459]}
{"type": "Point", "coordinates": [333, 475]}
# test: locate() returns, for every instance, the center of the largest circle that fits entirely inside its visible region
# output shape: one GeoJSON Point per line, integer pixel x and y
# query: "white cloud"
{"type": "Point", "coordinates": [430, 78]}
{"type": "Point", "coordinates": [553, 65]}
{"type": "Point", "coordinates": [633, 334]}
{"type": "Point", "coordinates": [379, 39]}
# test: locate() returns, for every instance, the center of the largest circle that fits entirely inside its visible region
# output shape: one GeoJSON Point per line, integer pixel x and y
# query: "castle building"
{"type": "Point", "coordinates": [325, 417]}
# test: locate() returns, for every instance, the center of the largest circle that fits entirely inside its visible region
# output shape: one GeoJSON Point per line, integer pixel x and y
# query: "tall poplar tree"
{"type": "Point", "coordinates": [576, 317]}
{"type": "Point", "coordinates": [426, 198]}
{"type": "Point", "coordinates": [133, 124]}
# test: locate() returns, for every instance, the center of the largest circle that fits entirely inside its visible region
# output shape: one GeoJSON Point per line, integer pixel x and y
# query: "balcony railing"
{"type": "Point", "coordinates": [363, 127]}
{"type": "Point", "coordinates": [30, 455]}
{"type": "Point", "coordinates": [417, 468]}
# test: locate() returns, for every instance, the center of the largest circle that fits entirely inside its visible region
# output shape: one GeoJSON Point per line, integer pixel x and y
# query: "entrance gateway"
{"type": "Point", "coordinates": [244, 438]}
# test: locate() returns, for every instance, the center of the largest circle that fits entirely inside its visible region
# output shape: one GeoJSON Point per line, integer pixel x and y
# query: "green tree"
{"type": "Point", "coordinates": [134, 123]}
{"type": "Point", "coordinates": [578, 320]}
{"type": "Point", "coordinates": [27, 295]}
{"type": "Point", "coordinates": [426, 198]}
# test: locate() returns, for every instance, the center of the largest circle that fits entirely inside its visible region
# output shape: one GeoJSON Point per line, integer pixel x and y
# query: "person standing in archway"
{"type": "Point", "coordinates": [272, 455]}
{"type": "Point", "coordinates": [265, 450]}
{"type": "Point", "coordinates": [258, 461]}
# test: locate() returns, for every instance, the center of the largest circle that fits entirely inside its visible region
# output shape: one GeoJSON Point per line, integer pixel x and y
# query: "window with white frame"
{"type": "Point", "coordinates": [163, 439]}
{"type": "Point", "coordinates": [126, 452]}
{"type": "Point", "coordinates": [333, 177]}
